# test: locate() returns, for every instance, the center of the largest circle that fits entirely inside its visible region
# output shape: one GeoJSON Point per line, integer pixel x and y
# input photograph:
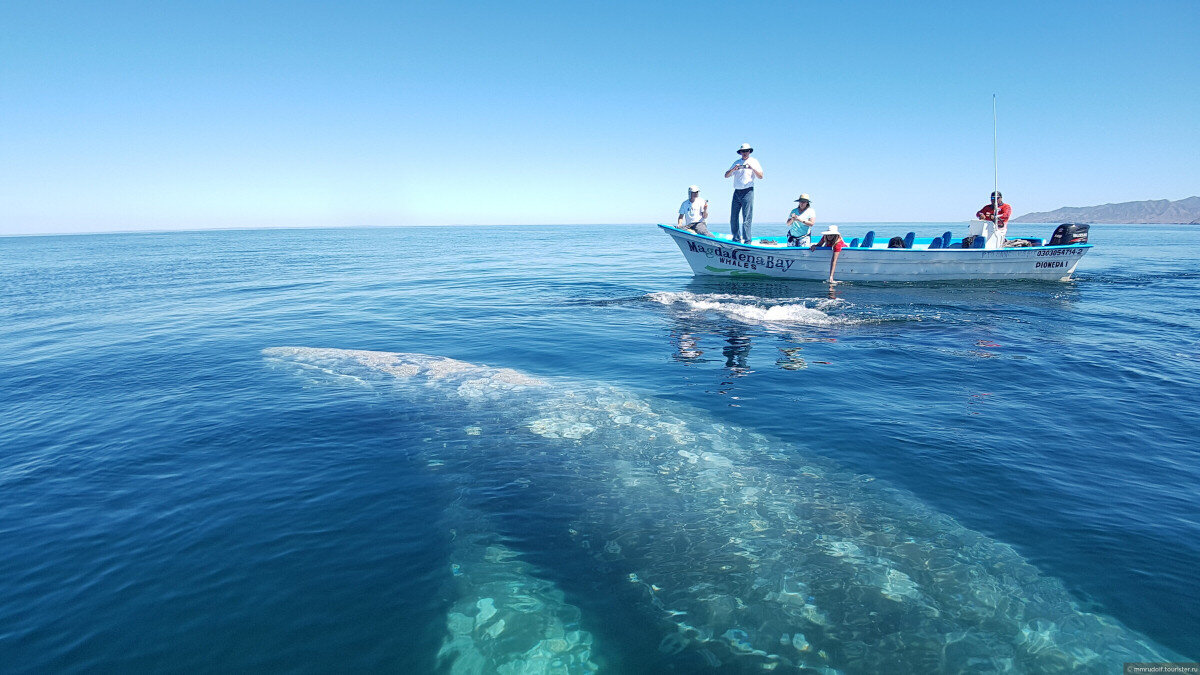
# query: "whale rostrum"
{"type": "Point", "coordinates": [745, 553]}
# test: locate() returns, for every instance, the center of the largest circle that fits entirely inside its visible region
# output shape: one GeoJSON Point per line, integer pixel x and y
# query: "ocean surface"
{"type": "Point", "coordinates": [551, 449]}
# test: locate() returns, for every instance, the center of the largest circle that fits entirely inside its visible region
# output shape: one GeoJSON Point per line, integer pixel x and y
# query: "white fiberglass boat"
{"type": "Point", "coordinates": [871, 259]}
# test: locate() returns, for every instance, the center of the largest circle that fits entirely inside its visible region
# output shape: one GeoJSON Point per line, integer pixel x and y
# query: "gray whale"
{"type": "Point", "coordinates": [747, 557]}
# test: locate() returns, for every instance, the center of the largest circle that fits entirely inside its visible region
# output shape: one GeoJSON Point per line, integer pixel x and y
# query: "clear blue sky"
{"type": "Point", "coordinates": [162, 115]}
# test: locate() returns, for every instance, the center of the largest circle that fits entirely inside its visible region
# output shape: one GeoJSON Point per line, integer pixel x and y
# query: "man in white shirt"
{"type": "Point", "coordinates": [801, 221]}
{"type": "Point", "coordinates": [744, 171]}
{"type": "Point", "coordinates": [693, 212]}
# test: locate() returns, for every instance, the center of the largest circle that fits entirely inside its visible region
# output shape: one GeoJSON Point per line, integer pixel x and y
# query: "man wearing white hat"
{"type": "Point", "coordinates": [744, 171]}
{"type": "Point", "coordinates": [693, 212]}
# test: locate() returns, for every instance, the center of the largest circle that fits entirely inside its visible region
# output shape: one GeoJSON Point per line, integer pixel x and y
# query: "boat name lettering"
{"type": "Point", "coordinates": [729, 256]}
{"type": "Point", "coordinates": [1061, 251]}
{"type": "Point", "coordinates": [1051, 263]}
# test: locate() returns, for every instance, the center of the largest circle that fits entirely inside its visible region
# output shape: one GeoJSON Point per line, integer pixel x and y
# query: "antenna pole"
{"type": "Point", "coordinates": [995, 151]}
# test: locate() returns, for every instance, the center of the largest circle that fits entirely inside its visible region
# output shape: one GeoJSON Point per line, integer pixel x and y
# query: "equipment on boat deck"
{"type": "Point", "coordinates": [1070, 233]}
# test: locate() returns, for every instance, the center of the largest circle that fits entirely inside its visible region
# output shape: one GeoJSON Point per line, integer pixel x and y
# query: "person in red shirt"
{"type": "Point", "coordinates": [831, 238]}
{"type": "Point", "coordinates": [988, 212]}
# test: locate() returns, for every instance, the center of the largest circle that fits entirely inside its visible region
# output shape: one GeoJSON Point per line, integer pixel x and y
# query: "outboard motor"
{"type": "Point", "coordinates": [1069, 233]}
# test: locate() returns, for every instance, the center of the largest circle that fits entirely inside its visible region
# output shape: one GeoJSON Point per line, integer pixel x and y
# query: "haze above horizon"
{"type": "Point", "coordinates": [128, 116]}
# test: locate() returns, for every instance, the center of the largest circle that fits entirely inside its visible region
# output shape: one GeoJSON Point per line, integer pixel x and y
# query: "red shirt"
{"type": "Point", "coordinates": [1005, 213]}
{"type": "Point", "coordinates": [838, 243]}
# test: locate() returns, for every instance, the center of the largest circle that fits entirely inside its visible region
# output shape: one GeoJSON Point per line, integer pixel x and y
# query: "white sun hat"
{"type": "Point", "coordinates": [832, 230]}
{"type": "Point", "coordinates": [693, 188]}
{"type": "Point", "coordinates": [745, 146]}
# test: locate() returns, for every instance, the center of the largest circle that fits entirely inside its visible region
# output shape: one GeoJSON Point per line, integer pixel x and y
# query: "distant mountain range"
{"type": "Point", "coordinates": [1186, 211]}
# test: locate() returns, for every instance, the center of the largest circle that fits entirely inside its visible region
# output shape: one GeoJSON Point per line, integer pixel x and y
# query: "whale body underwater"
{"type": "Point", "coordinates": [742, 552]}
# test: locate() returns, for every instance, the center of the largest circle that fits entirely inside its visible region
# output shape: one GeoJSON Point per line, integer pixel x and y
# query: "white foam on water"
{"type": "Point", "coordinates": [754, 309]}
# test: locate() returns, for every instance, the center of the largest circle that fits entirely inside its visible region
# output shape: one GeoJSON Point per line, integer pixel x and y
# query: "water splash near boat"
{"type": "Point", "coordinates": [759, 310]}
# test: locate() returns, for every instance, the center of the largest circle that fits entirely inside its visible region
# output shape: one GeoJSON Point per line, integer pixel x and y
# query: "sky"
{"type": "Point", "coordinates": [164, 115]}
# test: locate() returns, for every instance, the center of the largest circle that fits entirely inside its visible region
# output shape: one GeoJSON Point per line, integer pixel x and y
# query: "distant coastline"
{"type": "Point", "coordinates": [1154, 211]}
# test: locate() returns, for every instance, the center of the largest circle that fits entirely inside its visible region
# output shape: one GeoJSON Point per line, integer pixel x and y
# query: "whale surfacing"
{"type": "Point", "coordinates": [747, 554]}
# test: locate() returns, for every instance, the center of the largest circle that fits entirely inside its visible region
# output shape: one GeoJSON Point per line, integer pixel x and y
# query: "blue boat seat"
{"type": "Point", "coordinates": [869, 240]}
{"type": "Point", "coordinates": [854, 243]}
{"type": "Point", "coordinates": [936, 243]}
{"type": "Point", "coordinates": [980, 241]}
{"type": "Point", "coordinates": [908, 239]}
{"type": "Point", "coordinates": [946, 239]}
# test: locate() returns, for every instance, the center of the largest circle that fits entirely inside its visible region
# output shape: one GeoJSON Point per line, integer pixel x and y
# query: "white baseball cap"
{"type": "Point", "coordinates": [693, 188]}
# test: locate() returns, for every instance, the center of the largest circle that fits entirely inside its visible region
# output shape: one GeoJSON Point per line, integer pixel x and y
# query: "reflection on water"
{"type": "Point", "coordinates": [687, 346]}
{"type": "Point", "coordinates": [733, 313]}
{"type": "Point", "coordinates": [737, 353]}
{"type": "Point", "coordinates": [713, 315]}
{"type": "Point", "coordinates": [790, 359]}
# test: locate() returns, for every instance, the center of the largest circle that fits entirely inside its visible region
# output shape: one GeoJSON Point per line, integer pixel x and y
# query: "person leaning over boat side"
{"type": "Point", "coordinates": [801, 221]}
{"type": "Point", "coordinates": [992, 226]}
{"type": "Point", "coordinates": [831, 238]}
{"type": "Point", "coordinates": [744, 171]}
{"type": "Point", "coordinates": [693, 212]}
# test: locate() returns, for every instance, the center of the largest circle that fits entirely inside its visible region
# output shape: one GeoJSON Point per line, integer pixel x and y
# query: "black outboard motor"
{"type": "Point", "coordinates": [1069, 233]}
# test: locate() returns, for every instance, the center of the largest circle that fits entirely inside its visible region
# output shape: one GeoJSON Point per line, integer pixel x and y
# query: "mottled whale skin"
{"type": "Point", "coordinates": [748, 555]}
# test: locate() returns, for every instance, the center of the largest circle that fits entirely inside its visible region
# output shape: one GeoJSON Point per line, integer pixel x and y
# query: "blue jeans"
{"type": "Point", "coordinates": [743, 203]}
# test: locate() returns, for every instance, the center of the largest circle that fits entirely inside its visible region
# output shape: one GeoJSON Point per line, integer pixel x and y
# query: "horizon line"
{"type": "Point", "coordinates": [253, 228]}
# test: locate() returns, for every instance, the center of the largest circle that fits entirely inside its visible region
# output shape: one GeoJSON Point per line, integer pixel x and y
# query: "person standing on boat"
{"type": "Point", "coordinates": [693, 212]}
{"type": "Point", "coordinates": [831, 238]}
{"type": "Point", "coordinates": [801, 221]}
{"type": "Point", "coordinates": [744, 171]}
{"type": "Point", "coordinates": [992, 221]}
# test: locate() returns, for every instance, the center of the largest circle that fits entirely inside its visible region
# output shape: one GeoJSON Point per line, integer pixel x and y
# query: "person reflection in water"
{"type": "Point", "coordinates": [689, 348]}
{"type": "Point", "coordinates": [791, 359]}
{"type": "Point", "coordinates": [737, 353]}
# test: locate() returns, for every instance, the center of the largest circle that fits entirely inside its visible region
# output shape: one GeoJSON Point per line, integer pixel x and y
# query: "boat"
{"type": "Point", "coordinates": [941, 258]}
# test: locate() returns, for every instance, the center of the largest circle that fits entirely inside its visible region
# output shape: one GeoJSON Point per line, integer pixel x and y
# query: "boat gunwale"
{"type": "Point", "coordinates": [671, 229]}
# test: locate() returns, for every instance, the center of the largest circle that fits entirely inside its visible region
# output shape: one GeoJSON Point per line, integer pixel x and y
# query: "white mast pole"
{"type": "Point", "coordinates": [995, 153]}
{"type": "Point", "coordinates": [996, 170]}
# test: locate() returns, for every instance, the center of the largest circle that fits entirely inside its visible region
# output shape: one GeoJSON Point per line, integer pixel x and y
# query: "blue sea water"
{"type": "Point", "coordinates": [174, 499]}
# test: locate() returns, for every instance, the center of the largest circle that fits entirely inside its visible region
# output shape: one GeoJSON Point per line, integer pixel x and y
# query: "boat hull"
{"type": "Point", "coordinates": [710, 256]}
